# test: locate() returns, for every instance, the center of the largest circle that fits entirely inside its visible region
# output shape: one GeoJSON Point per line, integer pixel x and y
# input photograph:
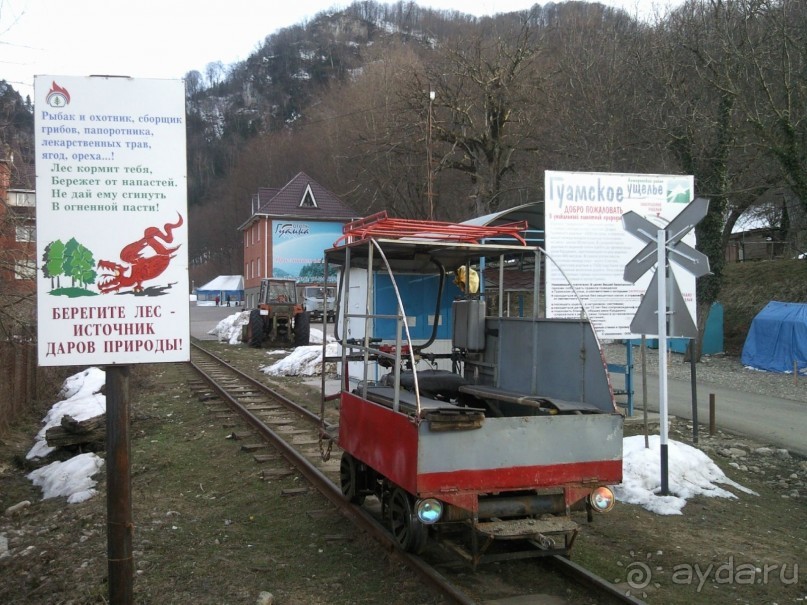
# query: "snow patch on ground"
{"type": "Point", "coordinates": [71, 478]}
{"type": "Point", "coordinates": [82, 400]}
{"type": "Point", "coordinates": [690, 473]}
{"type": "Point", "coordinates": [302, 361]}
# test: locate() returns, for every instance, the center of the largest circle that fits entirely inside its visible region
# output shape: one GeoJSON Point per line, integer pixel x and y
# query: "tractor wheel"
{"type": "Point", "coordinates": [255, 329]}
{"type": "Point", "coordinates": [302, 329]}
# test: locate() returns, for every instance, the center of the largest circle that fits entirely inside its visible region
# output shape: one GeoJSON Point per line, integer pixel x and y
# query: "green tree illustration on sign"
{"type": "Point", "coordinates": [79, 263]}
{"type": "Point", "coordinates": [53, 261]}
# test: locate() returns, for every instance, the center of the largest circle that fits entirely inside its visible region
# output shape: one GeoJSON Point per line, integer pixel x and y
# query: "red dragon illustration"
{"type": "Point", "coordinates": [145, 259]}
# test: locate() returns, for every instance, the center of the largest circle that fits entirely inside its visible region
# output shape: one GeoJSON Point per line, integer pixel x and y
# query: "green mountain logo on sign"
{"type": "Point", "coordinates": [678, 191]}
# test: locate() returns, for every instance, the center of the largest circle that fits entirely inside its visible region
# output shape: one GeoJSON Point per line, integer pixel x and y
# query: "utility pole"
{"type": "Point", "coordinates": [429, 186]}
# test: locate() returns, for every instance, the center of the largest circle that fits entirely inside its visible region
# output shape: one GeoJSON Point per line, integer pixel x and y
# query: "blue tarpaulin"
{"type": "Point", "coordinates": [777, 338]}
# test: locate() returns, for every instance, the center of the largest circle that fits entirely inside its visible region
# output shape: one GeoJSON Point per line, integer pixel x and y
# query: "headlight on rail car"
{"type": "Point", "coordinates": [429, 510]}
{"type": "Point", "coordinates": [602, 499]}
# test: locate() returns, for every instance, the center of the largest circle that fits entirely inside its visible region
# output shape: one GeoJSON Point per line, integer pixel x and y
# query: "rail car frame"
{"type": "Point", "coordinates": [492, 456]}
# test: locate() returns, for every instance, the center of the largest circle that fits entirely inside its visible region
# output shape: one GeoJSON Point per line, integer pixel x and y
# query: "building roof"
{"type": "Point", "coordinates": [302, 197]}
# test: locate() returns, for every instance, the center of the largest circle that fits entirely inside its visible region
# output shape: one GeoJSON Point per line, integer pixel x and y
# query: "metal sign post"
{"type": "Point", "coordinates": [119, 488]}
{"type": "Point", "coordinates": [661, 274]}
{"type": "Point", "coordinates": [663, 309]}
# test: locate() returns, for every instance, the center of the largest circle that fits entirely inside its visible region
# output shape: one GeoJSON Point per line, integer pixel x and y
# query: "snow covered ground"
{"type": "Point", "coordinates": [690, 471]}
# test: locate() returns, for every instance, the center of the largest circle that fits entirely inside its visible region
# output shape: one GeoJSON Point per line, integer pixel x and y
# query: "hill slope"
{"type": "Point", "coordinates": [748, 287]}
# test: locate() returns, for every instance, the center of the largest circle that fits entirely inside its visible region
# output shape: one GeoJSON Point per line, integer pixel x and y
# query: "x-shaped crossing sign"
{"type": "Point", "coordinates": [696, 263]}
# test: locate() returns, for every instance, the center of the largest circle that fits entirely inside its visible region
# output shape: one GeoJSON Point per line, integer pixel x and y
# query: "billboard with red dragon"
{"type": "Point", "coordinates": [112, 270]}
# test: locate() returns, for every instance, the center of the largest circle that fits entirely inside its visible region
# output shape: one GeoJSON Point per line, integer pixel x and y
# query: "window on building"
{"type": "Point", "coordinates": [23, 199]}
{"type": "Point", "coordinates": [25, 233]}
{"type": "Point", "coordinates": [24, 269]}
{"type": "Point", "coordinates": [259, 268]}
{"type": "Point", "coordinates": [308, 200]}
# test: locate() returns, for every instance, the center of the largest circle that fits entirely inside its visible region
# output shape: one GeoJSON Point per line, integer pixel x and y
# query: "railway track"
{"type": "Point", "coordinates": [302, 440]}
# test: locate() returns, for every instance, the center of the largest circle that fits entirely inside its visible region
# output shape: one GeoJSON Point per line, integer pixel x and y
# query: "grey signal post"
{"type": "Point", "coordinates": [663, 245]}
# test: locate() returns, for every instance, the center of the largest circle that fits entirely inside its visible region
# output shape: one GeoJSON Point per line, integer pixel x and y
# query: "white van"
{"type": "Point", "coordinates": [314, 301]}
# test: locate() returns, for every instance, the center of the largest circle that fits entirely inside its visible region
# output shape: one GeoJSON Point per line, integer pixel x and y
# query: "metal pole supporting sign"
{"type": "Point", "coordinates": [663, 309]}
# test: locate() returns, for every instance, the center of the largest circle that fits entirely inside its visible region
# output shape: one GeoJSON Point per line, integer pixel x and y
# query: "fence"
{"type": "Point", "coordinates": [18, 381]}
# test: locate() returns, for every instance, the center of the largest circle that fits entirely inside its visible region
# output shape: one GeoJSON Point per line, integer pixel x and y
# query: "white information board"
{"type": "Point", "coordinates": [585, 236]}
{"type": "Point", "coordinates": [112, 224]}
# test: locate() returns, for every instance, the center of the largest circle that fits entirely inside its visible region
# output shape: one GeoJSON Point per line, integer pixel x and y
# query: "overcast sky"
{"type": "Point", "coordinates": [168, 38]}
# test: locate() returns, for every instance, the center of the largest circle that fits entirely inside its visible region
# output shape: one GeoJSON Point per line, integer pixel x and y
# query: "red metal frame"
{"type": "Point", "coordinates": [380, 225]}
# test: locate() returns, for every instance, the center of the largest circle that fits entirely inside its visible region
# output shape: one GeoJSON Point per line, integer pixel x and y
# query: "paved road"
{"type": "Point", "coordinates": [205, 318]}
{"type": "Point", "coordinates": [780, 422]}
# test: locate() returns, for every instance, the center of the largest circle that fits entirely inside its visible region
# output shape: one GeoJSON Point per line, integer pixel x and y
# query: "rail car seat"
{"type": "Point", "coordinates": [438, 384]}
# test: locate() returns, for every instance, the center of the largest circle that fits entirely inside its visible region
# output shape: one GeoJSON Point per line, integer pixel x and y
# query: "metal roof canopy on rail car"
{"type": "Point", "coordinates": [417, 255]}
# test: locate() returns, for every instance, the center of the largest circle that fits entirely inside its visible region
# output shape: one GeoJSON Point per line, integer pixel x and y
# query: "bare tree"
{"type": "Point", "coordinates": [768, 47]}
{"type": "Point", "coordinates": [484, 89]}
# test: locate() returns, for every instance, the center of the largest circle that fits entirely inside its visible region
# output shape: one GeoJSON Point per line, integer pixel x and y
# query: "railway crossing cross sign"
{"type": "Point", "coordinates": [661, 245]}
{"type": "Point", "coordinates": [680, 323]}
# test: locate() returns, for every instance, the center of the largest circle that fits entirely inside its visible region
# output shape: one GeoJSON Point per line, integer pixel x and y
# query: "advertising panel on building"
{"type": "Point", "coordinates": [112, 221]}
{"type": "Point", "coordinates": [298, 248]}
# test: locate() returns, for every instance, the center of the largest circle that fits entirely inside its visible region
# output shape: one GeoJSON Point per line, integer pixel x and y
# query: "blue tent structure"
{"type": "Point", "coordinates": [777, 338]}
{"type": "Point", "coordinates": [222, 287]}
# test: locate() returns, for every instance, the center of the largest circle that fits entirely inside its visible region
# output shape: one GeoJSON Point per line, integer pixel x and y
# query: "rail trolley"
{"type": "Point", "coordinates": [489, 446]}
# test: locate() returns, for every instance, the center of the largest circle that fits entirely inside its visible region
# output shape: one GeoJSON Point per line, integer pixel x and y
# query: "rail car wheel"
{"type": "Point", "coordinates": [349, 476]}
{"type": "Point", "coordinates": [406, 528]}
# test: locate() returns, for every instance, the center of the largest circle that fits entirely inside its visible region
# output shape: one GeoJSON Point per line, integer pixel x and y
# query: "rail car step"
{"type": "Point", "coordinates": [523, 528]}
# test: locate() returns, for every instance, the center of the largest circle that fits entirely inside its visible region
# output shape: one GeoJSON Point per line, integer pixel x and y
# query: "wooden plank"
{"type": "Point", "coordinates": [265, 457]}
{"type": "Point", "coordinates": [294, 491]}
{"type": "Point", "coordinates": [276, 473]}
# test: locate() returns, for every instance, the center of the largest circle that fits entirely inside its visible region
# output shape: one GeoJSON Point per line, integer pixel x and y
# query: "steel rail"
{"type": "Point", "coordinates": [584, 576]}
{"type": "Point", "coordinates": [328, 488]}
{"type": "Point", "coordinates": [363, 518]}
{"type": "Point", "coordinates": [307, 414]}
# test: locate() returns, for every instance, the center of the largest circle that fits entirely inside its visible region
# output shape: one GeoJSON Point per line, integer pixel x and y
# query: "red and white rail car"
{"type": "Point", "coordinates": [493, 455]}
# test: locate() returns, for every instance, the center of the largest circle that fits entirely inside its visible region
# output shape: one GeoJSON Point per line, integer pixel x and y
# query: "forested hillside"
{"type": "Point", "coordinates": [357, 99]}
